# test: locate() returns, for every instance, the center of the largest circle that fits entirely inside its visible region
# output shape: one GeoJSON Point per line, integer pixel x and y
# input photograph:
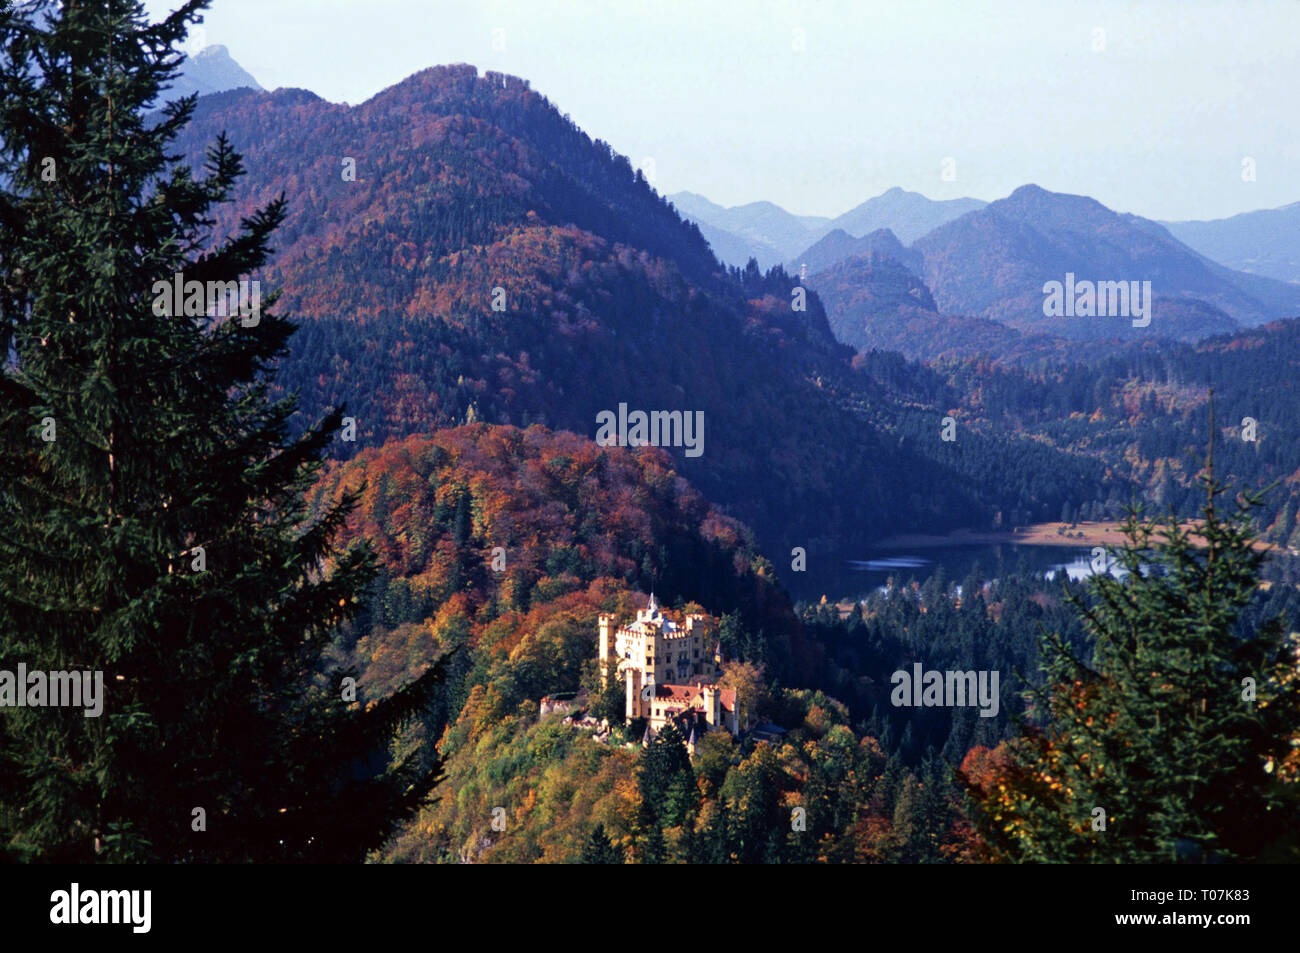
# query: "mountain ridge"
{"type": "Point", "coordinates": [1263, 242]}
{"type": "Point", "coordinates": [465, 184]}
{"type": "Point", "coordinates": [770, 234]}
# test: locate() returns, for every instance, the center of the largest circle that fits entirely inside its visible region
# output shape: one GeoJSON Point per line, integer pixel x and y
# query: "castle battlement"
{"type": "Point", "coordinates": [670, 671]}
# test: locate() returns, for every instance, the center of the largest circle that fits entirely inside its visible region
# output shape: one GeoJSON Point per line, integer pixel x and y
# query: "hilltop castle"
{"type": "Point", "coordinates": [670, 673]}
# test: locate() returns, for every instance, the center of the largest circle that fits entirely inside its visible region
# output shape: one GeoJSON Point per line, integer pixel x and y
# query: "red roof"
{"type": "Point", "coordinates": [684, 694]}
{"type": "Point", "coordinates": [693, 695]}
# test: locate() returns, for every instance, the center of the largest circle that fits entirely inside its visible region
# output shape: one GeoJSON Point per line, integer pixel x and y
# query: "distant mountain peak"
{"type": "Point", "coordinates": [994, 263]}
{"type": "Point", "coordinates": [214, 53]}
{"type": "Point", "coordinates": [909, 215]}
{"type": "Point", "coordinates": [838, 245]}
{"type": "Point", "coordinates": [1035, 196]}
{"type": "Point", "coordinates": [211, 70]}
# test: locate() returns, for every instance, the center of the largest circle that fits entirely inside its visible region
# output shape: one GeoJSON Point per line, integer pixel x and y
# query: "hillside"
{"type": "Point", "coordinates": [567, 515]}
{"type": "Point", "coordinates": [1143, 410]}
{"type": "Point", "coordinates": [584, 530]}
{"type": "Point", "coordinates": [867, 291]}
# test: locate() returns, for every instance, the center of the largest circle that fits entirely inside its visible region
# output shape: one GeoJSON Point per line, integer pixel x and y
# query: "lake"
{"type": "Point", "coordinates": [853, 575]}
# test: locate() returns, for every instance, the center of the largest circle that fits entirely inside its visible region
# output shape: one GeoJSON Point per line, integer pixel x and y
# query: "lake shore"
{"type": "Point", "coordinates": [1106, 533]}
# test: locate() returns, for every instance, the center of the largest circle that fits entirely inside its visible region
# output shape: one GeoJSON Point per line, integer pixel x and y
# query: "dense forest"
{"type": "Point", "coordinates": [585, 530]}
{"type": "Point", "coordinates": [1141, 415]}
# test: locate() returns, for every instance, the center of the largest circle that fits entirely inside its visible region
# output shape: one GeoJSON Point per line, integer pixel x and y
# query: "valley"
{"type": "Point", "coordinates": [471, 586]}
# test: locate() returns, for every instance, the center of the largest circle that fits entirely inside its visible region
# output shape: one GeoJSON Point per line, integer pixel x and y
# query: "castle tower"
{"type": "Point", "coordinates": [712, 706]}
{"type": "Point", "coordinates": [606, 625]}
{"type": "Point", "coordinates": [634, 704]}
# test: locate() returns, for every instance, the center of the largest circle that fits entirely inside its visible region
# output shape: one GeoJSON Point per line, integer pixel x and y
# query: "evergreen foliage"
{"type": "Point", "coordinates": [151, 518]}
{"type": "Point", "coordinates": [1180, 727]}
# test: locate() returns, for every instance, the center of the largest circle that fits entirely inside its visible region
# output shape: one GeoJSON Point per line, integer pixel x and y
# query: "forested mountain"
{"type": "Point", "coordinates": [1142, 411]}
{"type": "Point", "coordinates": [869, 293]}
{"type": "Point", "coordinates": [1265, 242]}
{"type": "Point", "coordinates": [466, 184]}
{"type": "Point", "coordinates": [469, 183]}
{"type": "Point", "coordinates": [994, 263]}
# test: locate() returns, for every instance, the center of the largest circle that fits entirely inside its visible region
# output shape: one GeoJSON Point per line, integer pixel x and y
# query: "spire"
{"type": "Point", "coordinates": [653, 607]}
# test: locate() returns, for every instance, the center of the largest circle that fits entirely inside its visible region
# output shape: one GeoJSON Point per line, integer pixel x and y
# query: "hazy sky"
{"type": "Point", "coordinates": [817, 105]}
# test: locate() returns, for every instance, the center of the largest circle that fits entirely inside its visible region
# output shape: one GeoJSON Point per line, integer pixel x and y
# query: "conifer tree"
{"type": "Point", "coordinates": [752, 795]}
{"type": "Point", "coordinates": [151, 516]}
{"type": "Point", "coordinates": [666, 784]}
{"type": "Point", "coordinates": [1176, 741]}
{"type": "Point", "coordinates": [598, 848]}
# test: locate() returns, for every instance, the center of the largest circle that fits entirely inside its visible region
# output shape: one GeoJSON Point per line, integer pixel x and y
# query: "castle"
{"type": "Point", "coordinates": [670, 673]}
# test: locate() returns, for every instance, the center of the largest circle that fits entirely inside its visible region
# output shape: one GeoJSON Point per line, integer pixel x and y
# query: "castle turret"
{"type": "Point", "coordinates": [650, 613]}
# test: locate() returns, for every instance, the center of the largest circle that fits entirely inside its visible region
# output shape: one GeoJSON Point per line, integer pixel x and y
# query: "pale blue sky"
{"type": "Point", "coordinates": [1156, 122]}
